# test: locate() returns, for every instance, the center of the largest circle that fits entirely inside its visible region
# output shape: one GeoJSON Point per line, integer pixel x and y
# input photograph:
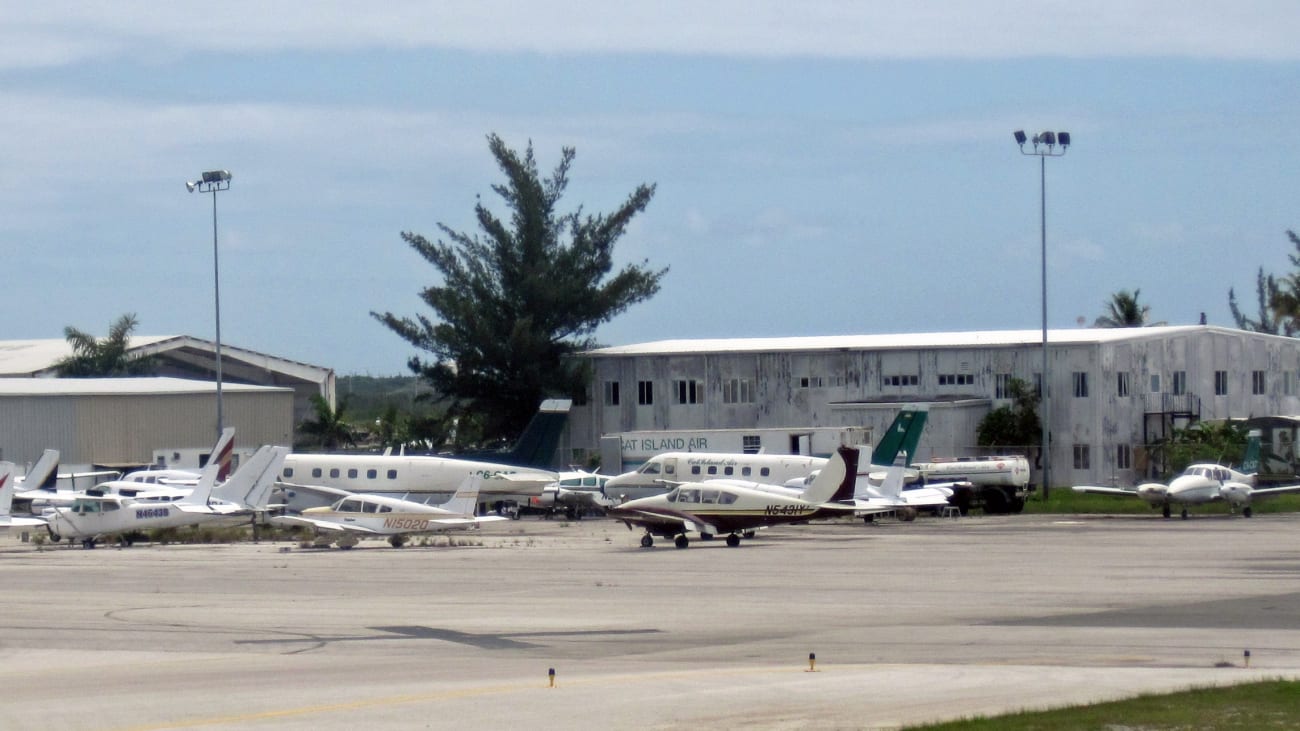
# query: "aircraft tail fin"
{"type": "Point", "coordinates": [45, 473]}
{"type": "Point", "coordinates": [208, 477]}
{"type": "Point", "coordinates": [537, 444]}
{"type": "Point", "coordinates": [465, 499]}
{"type": "Point", "coordinates": [250, 487]}
{"type": "Point", "coordinates": [223, 452]}
{"type": "Point", "coordinates": [836, 480]}
{"type": "Point", "coordinates": [902, 436]}
{"type": "Point", "coordinates": [1250, 461]}
{"type": "Point", "coordinates": [6, 487]}
{"type": "Point", "coordinates": [892, 487]}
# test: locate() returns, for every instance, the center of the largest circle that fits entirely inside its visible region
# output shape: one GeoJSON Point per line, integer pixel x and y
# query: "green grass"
{"type": "Point", "coordinates": [1063, 500]}
{"type": "Point", "coordinates": [1273, 704]}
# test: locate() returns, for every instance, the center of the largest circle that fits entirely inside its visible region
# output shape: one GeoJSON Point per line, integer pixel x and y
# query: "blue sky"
{"type": "Point", "coordinates": [822, 167]}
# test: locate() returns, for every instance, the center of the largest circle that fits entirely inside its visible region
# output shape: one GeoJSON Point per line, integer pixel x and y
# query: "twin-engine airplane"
{"type": "Point", "coordinates": [377, 515]}
{"type": "Point", "coordinates": [1203, 483]}
{"type": "Point", "coordinates": [891, 496]}
{"type": "Point", "coordinates": [716, 507]}
{"type": "Point", "coordinates": [95, 514]}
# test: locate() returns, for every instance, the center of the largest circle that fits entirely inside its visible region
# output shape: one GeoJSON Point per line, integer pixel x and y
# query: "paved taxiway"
{"type": "Point", "coordinates": [909, 622]}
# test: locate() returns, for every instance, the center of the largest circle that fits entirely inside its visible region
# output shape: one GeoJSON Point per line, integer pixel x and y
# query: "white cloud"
{"type": "Point", "coordinates": [55, 33]}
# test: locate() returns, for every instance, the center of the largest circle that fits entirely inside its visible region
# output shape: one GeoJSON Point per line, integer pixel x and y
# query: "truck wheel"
{"type": "Point", "coordinates": [1017, 505]}
{"type": "Point", "coordinates": [995, 502]}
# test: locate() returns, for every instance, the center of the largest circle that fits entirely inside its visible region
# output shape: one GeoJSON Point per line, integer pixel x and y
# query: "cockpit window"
{"type": "Point", "coordinates": [370, 507]}
{"type": "Point", "coordinates": [688, 495]}
{"type": "Point", "coordinates": [650, 468]}
{"type": "Point", "coordinates": [349, 505]}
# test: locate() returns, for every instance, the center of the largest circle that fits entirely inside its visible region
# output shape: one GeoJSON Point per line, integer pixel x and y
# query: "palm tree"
{"type": "Point", "coordinates": [92, 358]}
{"type": "Point", "coordinates": [328, 430]}
{"type": "Point", "coordinates": [1123, 310]}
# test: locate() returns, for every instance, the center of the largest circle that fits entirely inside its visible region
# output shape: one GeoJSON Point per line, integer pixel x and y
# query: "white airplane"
{"type": "Point", "coordinates": [891, 494]}
{"type": "Point", "coordinates": [8, 479]}
{"type": "Point", "coordinates": [223, 451]}
{"type": "Point", "coordinates": [94, 515]}
{"type": "Point", "coordinates": [142, 490]}
{"type": "Point", "coordinates": [717, 506]}
{"type": "Point", "coordinates": [376, 515]}
{"type": "Point", "coordinates": [509, 478]}
{"type": "Point", "coordinates": [1202, 483]}
{"type": "Point", "coordinates": [575, 493]}
{"type": "Point", "coordinates": [663, 471]}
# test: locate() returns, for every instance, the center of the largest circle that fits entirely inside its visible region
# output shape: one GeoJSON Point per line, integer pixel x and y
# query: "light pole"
{"type": "Point", "coordinates": [213, 181]}
{"type": "Point", "coordinates": [1046, 144]}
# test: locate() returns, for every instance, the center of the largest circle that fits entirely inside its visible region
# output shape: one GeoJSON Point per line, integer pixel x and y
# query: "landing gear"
{"type": "Point", "coordinates": [88, 543]}
{"type": "Point", "coordinates": [681, 541]}
{"type": "Point", "coordinates": [1167, 512]}
{"type": "Point", "coordinates": [733, 540]}
{"type": "Point", "coordinates": [1184, 513]}
{"type": "Point", "coordinates": [868, 519]}
{"type": "Point", "coordinates": [647, 541]}
{"type": "Point", "coordinates": [1246, 511]}
{"type": "Point", "coordinates": [706, 536]}
{"type": "Point", "coordinates": [397, 541]}
{"type": "Point", "coordinates": [749, 533]}
{"type": "Point", "coordinates": [907, 515]}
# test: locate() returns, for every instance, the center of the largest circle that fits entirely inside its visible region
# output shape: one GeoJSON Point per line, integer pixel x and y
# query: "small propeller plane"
{"type": "Point", "coordinates": [95, 514]}
{"type": "Point", "coordinates": [891, 496]}
{"type": "Point", "coordinates": [363, 514]}
{"type": "Point", "coordinates": [1203, 483]}
{"type": "Point", "coordinates": [720, 506]}
{"type": "Point", "coordinates": [7, 480]}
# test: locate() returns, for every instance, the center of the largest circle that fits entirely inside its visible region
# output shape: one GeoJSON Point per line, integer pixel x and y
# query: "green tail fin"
{"type": "Point", "coordinates": [902, 436]}
{"type": "Point", "coordinates": [1250, 462]}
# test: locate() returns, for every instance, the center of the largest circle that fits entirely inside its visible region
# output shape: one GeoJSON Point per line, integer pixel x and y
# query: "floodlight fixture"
{"type": "Point", "coordinates": [1020, 137]}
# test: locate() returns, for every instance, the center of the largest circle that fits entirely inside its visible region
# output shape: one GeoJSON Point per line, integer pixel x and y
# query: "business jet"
{"type": "Point", "coordinates": [92, 516]}
{"type": "Point", "coordinates": [663, 471]}
{"type": "Point", "coordinates": [715, 507]}
{"type": "Point", "coordinates": [8, 479]}
{"type": "Point", "coordinates": [1203, 483]}
{"type": "Point", "coordinates": [375, 515]}
{"type": "Point", "coordinates": [510, 478]}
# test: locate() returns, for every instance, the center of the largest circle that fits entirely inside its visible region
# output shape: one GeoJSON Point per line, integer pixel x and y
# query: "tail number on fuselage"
{"type": "Point", "coordinates": [147, 513]}
{"type": "Point", "coordinates": [785, 510]}
{"type": "Point", "coordinates": [406, 523]}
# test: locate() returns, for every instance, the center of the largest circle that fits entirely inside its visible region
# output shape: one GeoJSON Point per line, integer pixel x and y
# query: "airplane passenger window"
{"type": "Point", "coordinates": [729, 471]}
{"type": "Point", "coordinates": [709, 496]}
{"type": "Point", "coordinates": [713, 470]}
{"type": "Point", "coordinates": [334, 472]}
{"type": "Point", "coordinates": [372, 474]}
{"type": "Point", "coordinates": [110, 507]}
{"type": "Point", "coordinates": [695, 469]}
{"type": "Point", "coordinates": [392, 474]}
{"type": "Point", "coordinates": [726, 498]}
{"type": "Point", "coordinates": [385, 509]}
{"type": "Point", "coordinates": [369, 508]}
{"type": "Point", "coordinates": [352, 474]}
{"type": "Point", "coordinates": [744, 471]}
{"type": "Point", "coordinates": [288, 472]}
{"type": "Point", "coordinates": [688, 496]}
{"type": "Point", "coordinates": [316, 472]}
{"type": "Point", "coordinates": [765, 471]}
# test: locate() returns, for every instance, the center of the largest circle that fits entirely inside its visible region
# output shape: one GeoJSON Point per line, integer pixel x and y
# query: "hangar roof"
{"type": "Point", "coordinates": [120, 386]}
{"type": "Point", "coordinates": [38, 357]}
{"type": "Point", "coordinates": [907, 341]}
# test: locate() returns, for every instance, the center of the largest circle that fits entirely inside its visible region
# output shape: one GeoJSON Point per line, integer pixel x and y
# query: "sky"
{"type": "Point", "coordinates": [820, 167]}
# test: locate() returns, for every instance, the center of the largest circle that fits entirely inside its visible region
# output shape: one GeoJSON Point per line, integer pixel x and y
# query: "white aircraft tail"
{"type": "Point", "coordinates": [208, 477]}
{"type": "Point", "coordinates": [6, 487]}
{"type": "Point", "coordinates": [465, 500]}
{"type": "Point", "coordinates": [250, 486]}
{"type": "Point", "coordinates": [45, 473]}
{"type": "Point", "coordinates": [223, 453]}
{"type": "Point", "coordinates": [836, 480]}
{"type": "Point", "coordinates": [892, 487]}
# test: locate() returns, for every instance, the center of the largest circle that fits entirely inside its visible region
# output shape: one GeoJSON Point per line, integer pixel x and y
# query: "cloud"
{"type": "Point", "coordinates": [57, 33]}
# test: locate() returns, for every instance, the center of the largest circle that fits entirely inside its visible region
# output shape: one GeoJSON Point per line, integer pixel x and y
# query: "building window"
{"type": "Point", "coordinates": [956, 379]}
{"type": "Point", "coordinates": [750, 444]}
{"type": "Point", "coordinates": [1121, 385]}
{"type": "Point", "coordinates": [645, 393]}
{"type": "Point", "coordinates": [1038, 385]}
{"type": "Point", "coordinates": [738, 391]}
{"type": "Point", "coordinates": [611, 393]}
{"type": "Point", "coordinates": [1155, 383]}
{"type": "Point", "coordinates": [1123, 457]}
{"type": "Point", "coordinates": [1080, 384]}
{"type": "Point", "coordinates": [689, 392]}
{"type": "Point", "coordinates": [901, 380]}
{"type": "Point", "coordinates": [812, 382]}
{"type": "Point", "coordinates": [1179, 385]}
{"type": "Point", "coordinates": [1220, 383]}
{"type": "Point", "coordinates": [1257, 383]}
{"type": "Point", "coordinates": [1082, 454]}
{"type": "Point", "coordinates": [1288, 383]}
{"type": "Point", "coordinates": [1002, 385]}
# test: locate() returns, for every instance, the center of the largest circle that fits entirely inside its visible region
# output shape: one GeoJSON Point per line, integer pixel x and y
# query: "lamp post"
{"type": "Point", "coordinates": [211, 182]}
{"type": "Point", "coordinates": [1046, 144]}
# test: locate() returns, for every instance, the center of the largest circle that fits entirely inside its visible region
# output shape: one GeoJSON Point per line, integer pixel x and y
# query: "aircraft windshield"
{"type": "Point", "coordinates": [649, 468]}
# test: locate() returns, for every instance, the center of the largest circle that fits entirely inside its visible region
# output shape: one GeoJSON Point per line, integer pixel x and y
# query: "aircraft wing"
{"type": "Point", "coordinates": [641, 517]}
{"type": "Point", "coordinates": [469, 521]}
{"type": "Point", "coordinates": [320, 524]}
{"type": "Point", "coordinates": [869, 506]}
{"type": "Point", "coordinates": [9, 521]}
{"type": "Point", "coordinates": [1100, 490]}
{"type": "Point", "coordinates": [1279, 490]}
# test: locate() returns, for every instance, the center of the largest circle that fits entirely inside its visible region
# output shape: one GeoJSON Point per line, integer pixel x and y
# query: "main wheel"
{"type": "Point", "coordinates": [647, 541]}
{"type": "Point", "coordinates": [1167, 512]}
{"type": "Point", "coordinates": [1184, 513]}
{"type": "Point", "coordinates": [749, 533]}
{"type": "Point", "coordinates": [397, 541]}
{"type": "Point", "coordinates": [868, 519]}
{"type": "Point", "coordinates": [681, 541]}
{"type": "Point", "coordinates": [1246, 511]}
{"type": "Point", "coordinates": [733, 540]}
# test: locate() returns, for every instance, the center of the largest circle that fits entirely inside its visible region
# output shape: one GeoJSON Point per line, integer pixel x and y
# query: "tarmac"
{"type": "Point", "coordinates": [904, 623]}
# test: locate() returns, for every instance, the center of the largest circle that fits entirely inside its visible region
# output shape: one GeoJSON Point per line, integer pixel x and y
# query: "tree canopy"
{"type": "Point", "coordinates": [1278, 300]}
{"type": "Point", "coordinates": [1124, 310]}
{"type": "Point", "coordinates": [94, 358]}
{"type": "Point", "coordinates": [520, 295]}
{"type": "Point", "coordinates": [329, 429]}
